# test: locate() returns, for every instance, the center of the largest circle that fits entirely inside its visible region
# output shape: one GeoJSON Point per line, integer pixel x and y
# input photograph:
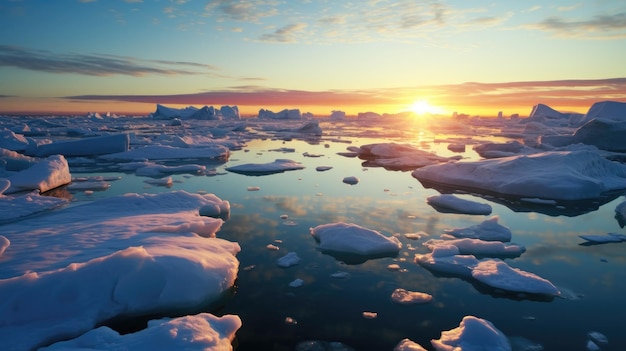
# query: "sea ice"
{"type": "Point", "coordinates": [92, 146]}
{"type": "Point", "coordinates": [449, 203]}
{"type": "Point", "coordinates": [278, 166]}
{"type": "Point", "coordinates": [408, 345]}
{"type": "Point", "coordinates": [620, 213]}
{"type": "Point", "coordinates": [581, 174]}
{"type": "Point", "coordinates": [163, 152]}
{"type": "Point", "coordinates": [345, 238]}
{"type": "Point", "coordinates": [479, 247]}
{"type": "Point", "coordinates": [403, 296]}
{"type": "Point", "coordinates": [14, 208]}
{"type": "Point", "coordinates": [602, 239]}
{"type": "Point", "coordinates": [47, 174]}
{"type": "Point", "coordinates": [473, 333]}
{"type": "Point", "coordinates": [398, 156]}
{"type": "Point", "coordinates": [488, 230]}
{"type": "Point", "coordinates": [498, 274]}
{"type": "Point", "coordinates": [12, 141]}
{"type": "Point", "coordinates": [4, 243]}
{"type": "Point", "coordinates": [296, 283]}
{"type": "Point", "coordinates": [203, 331]}
{"type": "Point", "coordinates": [352, 180]}
{"type": "Point", "coordinates": [118, 257]}
{"type": "Point", "coordinates": [290, 259]}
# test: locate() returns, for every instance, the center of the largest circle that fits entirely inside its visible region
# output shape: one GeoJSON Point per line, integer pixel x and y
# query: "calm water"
{"type": "Point", "coordinates": [393, 203]}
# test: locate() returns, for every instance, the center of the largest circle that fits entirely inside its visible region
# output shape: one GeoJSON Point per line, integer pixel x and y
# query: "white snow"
{"type": "Point", "coordinates": [47, 174]}
{"type": "Point", "coordinates": [488, 230]}
{"type": "Point", "coordinates": [498, 274]}
{"type": "Point", "coordinates": [449, 203]}
{"type": "Point", "coordinates": [581, 174]}
{"type": "Point", "coordinates": [14, 208]}
{"type": "Point", "coordinates": [278, 166]}
{"type": "Point", "coordinates": [408, 345]}
{"type": "Point", "coordinates": [203, 331]}
{"type": "Point", "coordinates": [472, 334]}
{"type": "Point", "coordinates": [149, 254]}
{"type": "Point", "coordinates": [12, 141]}
{"type": "Point", "coordinates": [354, 239]}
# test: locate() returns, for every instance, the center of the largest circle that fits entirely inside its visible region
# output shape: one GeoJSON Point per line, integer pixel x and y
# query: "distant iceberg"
{"type": "Point", "coordinates": [191, 112]}
{"type": "Point", "coordinates": [285, 114]}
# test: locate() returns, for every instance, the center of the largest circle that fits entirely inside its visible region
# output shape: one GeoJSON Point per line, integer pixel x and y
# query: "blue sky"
{"type": "Point", "coordinates": [317, 55]}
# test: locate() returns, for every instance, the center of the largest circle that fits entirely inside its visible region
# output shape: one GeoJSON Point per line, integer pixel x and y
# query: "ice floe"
{"type": "Point", "coordinates": [479, 247]}
{"type": "Point", "coordinates": [403, 296]}
{"type": "Point", "coordinates": [473, 333]}
{"type": "Point", "coordinates": [353, 243]}
{"type": "Point", "coordinates": [581, 174]}
{"type": "Point", "coordinates": [99, 145]}
{"type": "Point", "coordinates": [46, 174]}
{"type": "Point", "coordinates": [163, 152]}
{"type": "Point", "coordinates": [290, 259]}
{"type": "Point", "coordinates": [488, 230]}
{"type": "Point", "coordinates": [448, 203]}
{"type": "Point", "coordinates": [397, 156]}
{"type": "Point", "coordinates": [151, 254]}
{"type": "Point", "coordinates": [203, 331]}
{"type": "Point", "coordinates": [408, 345]}
{"type": "Point", "coordinates": [257, 169]}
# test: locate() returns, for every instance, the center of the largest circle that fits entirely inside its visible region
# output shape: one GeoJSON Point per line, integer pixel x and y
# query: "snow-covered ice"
{"type": "Point", "coordinates": [100, 145]}
{"type": "Point", "coordinates": [278, 166]}
{"type": "Point", "coordinates": [163, 152]}
{"type": "Point", "coordinates": [488, 230]}
{"type": "Point", "coordinates": [47, 174]}
{"type": "Point", "coordinates": [581, 175]}
{"type": "Point", "coordinates": [498, 274]}
{"type": "Point", "coordinates": [150, 253]}
{"type": "Point", "coordinates": [449, 203]}
{"type": "Point", "coordinates": [290, 259]}
{"type": "Point", "coordinates": [351, 180]}
{"type": "Point", "coordinates": [398, 156]}
{"type": "Point", "coordinates": [408, 345]}
{"type": "Point", "coordinates": [473, 333]}
{"type": "Point", "coordinates": [203, 331]}
{"type": "Point", "coordinates": [354, 239]}
{"type": "Point", "coordinates": [479, 247]}
{"type": "Point", "coordinates": [403, 296]}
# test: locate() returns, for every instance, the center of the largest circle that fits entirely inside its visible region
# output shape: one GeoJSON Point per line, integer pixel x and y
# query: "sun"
{"type": "Point", "coordinates": [422, 107]}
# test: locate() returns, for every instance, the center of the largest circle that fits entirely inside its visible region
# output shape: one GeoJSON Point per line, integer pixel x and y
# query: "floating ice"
{"type": "Point", "coordinates": [472, 334]}
{"type": "Point", "coordinates": [352, 180]}
{"type": "Point", "coordinates": [408, 345]}
{"type": "Point", "coordinates": [4, 243]}
{"type": "Point", "coordinates": [290, 259]}
{"type": "Point", "coordinates": [498, 274]}
{"type": "Point", "coordinates": [11, 141]}
{"type": "Point", "coordinates": [296, 283]}
{"type": "Point", "coordinates": [403, 296]}
{"type": "Point", "coordinates": [581, 174]}
{"type": "Point", "coordinates": [344, 238]}
{"type": "Point", "coordinates": [215, 207]}
{"type": "Point", "coordinates": [479, 247]}
{"type": "Point", "coordinates": [155, 170]}
{"type": "Point", "coordinates": [92, 146]}
{"type": "Point", "coordinates": [397, 156]}
{"type": "Point", "coordinates": [496, 150]}
{"type": "Point", "coordinates": [278, 166]}
{"type": "Point", "coordinates": [488, 230]}
{"type": "Point", "coordinates": [323, 168]}
{"type": "Point", "coordinates": [191, 112]}
{"type": "Point", "coordinates": [602, 239]}
{"type": "Point", "coordinates": [162, 152]}
{"type": "Point", "coordinates": [198, 332]}
{"type": "Point", "coordinates": [449, 203]}
{"type": "Point", "coordinates": [47, 174]}
{"type": "Point", "coordinates": [123, 256]}
{"type": "Point", "coordinates": [14, 208]}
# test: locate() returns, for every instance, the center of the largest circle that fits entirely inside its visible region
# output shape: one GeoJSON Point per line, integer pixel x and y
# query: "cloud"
{"type": "Point", "coordinates": [239, 10]}
{"type": "Point", "coordinates": [286, 34]}
{"type": "Point", "coordinates": [599, 26]}
{"type": "Point", "coordinates": [93, 64]}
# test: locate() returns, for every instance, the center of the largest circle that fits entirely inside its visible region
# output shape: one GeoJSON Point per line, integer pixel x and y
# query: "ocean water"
{"type": "Point", "coordinates": [286, 205]}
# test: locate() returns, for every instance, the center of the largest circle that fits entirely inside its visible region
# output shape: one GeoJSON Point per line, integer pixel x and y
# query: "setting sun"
{"type": "Point", "coordinates": [422, 107]}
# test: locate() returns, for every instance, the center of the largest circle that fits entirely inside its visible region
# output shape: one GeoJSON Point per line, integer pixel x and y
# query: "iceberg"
{"type": "Point", "coordinates": [557, 175]}
{"type": "Point", "coordinates": [473, 333]}
{"type": "Point", "coordinates": [203, 331]}
{"type": "Point", "coordinates": [448, 203]}
{"type": "Point", "coordinates": [605, 134]}
{"type": "Point", "coordinates": [351, 242]}
{"type": "Point", "coordinates": [257, 169]}
{"type": "Point", "coordinates": [285, 114]}
{"type": "Point", "coordinates": [191, 112]}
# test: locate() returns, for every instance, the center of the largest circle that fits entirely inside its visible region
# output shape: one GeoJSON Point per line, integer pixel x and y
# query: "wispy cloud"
{"type": "Point", "coordinates": [239, 10]}
{"type": "Point", "coordinates": [600, 26]}
{"type": "Point", "coordinates": [94, 64]}
{"type": "Point", "coordinates": [286, 34]}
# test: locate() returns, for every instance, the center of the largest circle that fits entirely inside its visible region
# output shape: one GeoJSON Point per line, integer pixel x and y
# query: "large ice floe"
{"type": "Point", "coordinates": [473, 333]}
{"type": "Point", "coordinates": [558, 175]}
{"type": "Point", "coordinates": [398, 156]}
{"type": "Point", "coordinates": [44, 175]}
{"type": "Point", "coordinates": [117, 258]}
{"type": "Point", "coordinates": [352, 243]}
{"type": "Point", "coordinates": [257, 169]}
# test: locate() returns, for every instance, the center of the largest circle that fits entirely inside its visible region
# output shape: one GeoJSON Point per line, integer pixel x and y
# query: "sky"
{"type": "Point", "coordinates": [475, 57]}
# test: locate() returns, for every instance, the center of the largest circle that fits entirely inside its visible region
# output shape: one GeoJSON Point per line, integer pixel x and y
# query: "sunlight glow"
{"type": "Point", "coordinates": [422, 107]}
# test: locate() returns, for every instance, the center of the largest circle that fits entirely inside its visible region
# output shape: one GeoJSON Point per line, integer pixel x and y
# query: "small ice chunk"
{"type": "Point", "coordinates": [290, 321]}
{"type": "Point", "coordinates": [353, 239]}
{"type": "Point", "coordinates": [403, 296]}
{"type": "Point", "coordinates": [254, 188]}
{"type": "Point", "coordinates": [393, 267]}
{"type": "Point", "coordinates": [448, 203]}
{"type": "Point", "coordinates": [592, 346]}
{"type": "Point", "coordinates": [340, 275]}
{"type": "Point", "coordinates": [272, 247]}
{"type": "Point", "coordinates": [598, 338]}
{"type": "Point", "coordinates": [370, 315]}
{"type": "Point", "coordinates": [296, 283]}
{"type": "Point", "coordinates": [408, 345]}
{"type": "Point", "coordinates": [323, 168]}
{"type": "Point", "coordinates": [352, 180]}
{"type": "Point", "coordinates": [166, 182]}
{"type": "Point", "coordinates": [488, 230]}
{"type": "Point", "coordinates": [290, 259]}
{"type": "Point", "coordinates": [472, 334]}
